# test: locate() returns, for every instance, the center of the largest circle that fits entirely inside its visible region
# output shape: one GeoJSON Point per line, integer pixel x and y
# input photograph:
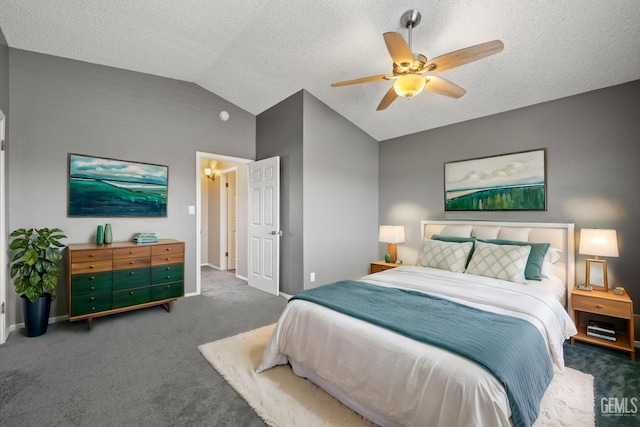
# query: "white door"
{"type": "Point", "coordinates": [264, 225]}
{"type": "Point", "coordinates": [232, 221]}
{"type": "Point", "coordinates": [3, 243]}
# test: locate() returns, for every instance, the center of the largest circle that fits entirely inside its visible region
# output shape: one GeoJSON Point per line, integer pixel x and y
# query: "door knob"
{"type": "Point", "coordinates": [278, 233]}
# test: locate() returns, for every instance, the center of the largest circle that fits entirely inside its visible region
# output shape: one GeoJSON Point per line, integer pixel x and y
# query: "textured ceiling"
{"type": "Point", "coordinates": [255, 53]}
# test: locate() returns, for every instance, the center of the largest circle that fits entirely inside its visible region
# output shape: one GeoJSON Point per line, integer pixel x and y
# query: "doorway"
{"type": "Point", "coordinates": [216, 236]}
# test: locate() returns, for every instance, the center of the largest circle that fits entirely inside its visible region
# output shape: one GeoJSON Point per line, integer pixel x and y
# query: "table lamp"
{"type": "Point", "coordinates": [391, 234]}
{"type": "Point", "coordinates": [598, 242]}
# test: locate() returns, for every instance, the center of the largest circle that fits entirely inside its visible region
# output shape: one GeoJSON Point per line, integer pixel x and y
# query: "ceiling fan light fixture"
{"type": "Point", "coordinates": [409, 85]}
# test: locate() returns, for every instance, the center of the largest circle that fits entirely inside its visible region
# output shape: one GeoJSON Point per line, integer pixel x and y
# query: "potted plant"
{"type": "Point", "coordinates": [35, 266]}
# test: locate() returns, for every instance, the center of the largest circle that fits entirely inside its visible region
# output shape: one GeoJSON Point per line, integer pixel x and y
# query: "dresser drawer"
{"type": "Point", "coordinates": [132, 278]}
{"type": "Point", "coordinates": [88, 267]}
{"type": "Point", "coordinates": [129, 263]}
{"type": "Point", "coordinates": [132, 252]}
{"type": "Point", "coordinates": [602, 306]}
{"type": "Point", "coordinates": [167, 259]}
{"type": "Point", "coordinates": [86, 304]}
{"type": "Point", "coordinates": [90, 283]}
{"type": "Point", "coordinates": [170, 248]}
{"type": "Point", "coordinates": [129, 297]}
{"type": "Point", "coordinates": [167, 273]}
{"type": "Point", "coordinates": [167, 290]}
{"type": "Point", "coordinates": [90, 255]}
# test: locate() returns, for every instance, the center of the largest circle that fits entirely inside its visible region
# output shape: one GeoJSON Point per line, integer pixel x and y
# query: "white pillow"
{"type": "Point", "coordinates": [548, 270]}
{"type": "Point", "coordinates": [450, 256]}
{"type": "Point", "coordinates": [485, 232]}
{"type": "Point", "coordinates": [518, 234]}
{"type": "Point", "coordinates": [506, 262]}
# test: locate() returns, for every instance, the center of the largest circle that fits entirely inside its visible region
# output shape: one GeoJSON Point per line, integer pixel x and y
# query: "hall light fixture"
{"type": "Point", "coordinates": [210, 174]}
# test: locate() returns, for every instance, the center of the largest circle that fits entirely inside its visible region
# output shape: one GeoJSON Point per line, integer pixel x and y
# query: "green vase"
{"type": "Point", "coordinates": [387, 258]}
{"type": "Point", "coordinates": [108, 237]}
{"type": "Point", "coordinates": [99, 235]}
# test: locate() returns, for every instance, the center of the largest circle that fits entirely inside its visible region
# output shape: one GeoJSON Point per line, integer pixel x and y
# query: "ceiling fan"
{"type": "Point", "coordinates": [412, 72]}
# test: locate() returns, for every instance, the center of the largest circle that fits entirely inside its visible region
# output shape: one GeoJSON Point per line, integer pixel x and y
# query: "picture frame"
{"type": "Point", "coordinates": [105, 187]}
{"type": "Point", "coordinates": [507, 182]}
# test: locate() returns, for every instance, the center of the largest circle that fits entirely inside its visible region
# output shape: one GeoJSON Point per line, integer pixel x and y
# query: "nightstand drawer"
{"type": "Point", "coordinates": [602, 306]}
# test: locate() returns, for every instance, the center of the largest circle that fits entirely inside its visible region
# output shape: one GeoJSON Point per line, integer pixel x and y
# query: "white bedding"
{"type": "Point", "coordinates": [395, 380]}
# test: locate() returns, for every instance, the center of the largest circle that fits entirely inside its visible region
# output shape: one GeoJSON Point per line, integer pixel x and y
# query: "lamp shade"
{"type": "Point", "coordinates": [207, 171]}
{"type": "Point", "coordinates": [599, 242]}
{"type": "Point", "coordinates": [409, 85]}
{"type": "Point", "coordinates": [391, 234]}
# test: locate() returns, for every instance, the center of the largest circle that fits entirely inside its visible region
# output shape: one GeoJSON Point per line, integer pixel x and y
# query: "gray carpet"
{"type": "Point", "coordinates": [139, 368]}
{"type": "Point", "coordinates": [143, 368]}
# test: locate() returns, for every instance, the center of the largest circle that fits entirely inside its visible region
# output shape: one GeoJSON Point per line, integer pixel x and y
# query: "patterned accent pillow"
{"type": "Point", "coordinates": [504, 262]}
{"type": "Point", "coordinates": [444, 255]}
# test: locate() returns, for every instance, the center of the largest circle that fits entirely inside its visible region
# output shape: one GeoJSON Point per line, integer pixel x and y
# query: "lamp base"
{"type": "Point", "coordinates": [393, 252]}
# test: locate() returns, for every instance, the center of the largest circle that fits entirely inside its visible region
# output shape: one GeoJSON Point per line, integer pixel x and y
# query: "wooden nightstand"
{"type": "Point", "coordinates": [604, 304]}
{"type": "Point", "coordinates": [378, 266]}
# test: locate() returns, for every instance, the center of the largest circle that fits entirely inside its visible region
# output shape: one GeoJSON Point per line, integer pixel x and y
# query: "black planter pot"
{"type": "Point", "coordinates": [36, 315]}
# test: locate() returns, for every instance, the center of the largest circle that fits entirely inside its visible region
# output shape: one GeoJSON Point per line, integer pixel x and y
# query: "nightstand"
{"type": "Point", "coordinates": [604, 304]}
{"type": "Point", "coordinates": [378, 266]}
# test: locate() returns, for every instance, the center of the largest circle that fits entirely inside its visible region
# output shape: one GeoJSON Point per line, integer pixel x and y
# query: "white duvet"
{"type": "Point", "coordinates": [394, 380]}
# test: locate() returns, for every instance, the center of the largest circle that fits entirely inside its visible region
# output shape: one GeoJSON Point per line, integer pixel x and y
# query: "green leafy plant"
{"type": "Point", "coordinates": [36, 261]}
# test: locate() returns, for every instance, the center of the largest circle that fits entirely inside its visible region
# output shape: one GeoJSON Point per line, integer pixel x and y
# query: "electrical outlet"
{"type": "Point", "coordinates": [312, 277]}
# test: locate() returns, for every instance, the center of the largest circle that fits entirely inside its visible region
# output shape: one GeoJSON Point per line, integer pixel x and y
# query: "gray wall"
{"type": "Point", "coordinates": [279, 133]}
{"type": "Point", "coordinates": [329, 196]}
{"type": "Point", "coordinates": [61, 106]}
{"type": "Point", "coordinates": [340, 196]}
{"type": "Point", "coordinates": [593, 149]}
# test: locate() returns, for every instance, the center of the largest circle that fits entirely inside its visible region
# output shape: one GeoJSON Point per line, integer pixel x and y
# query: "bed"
{"type": "Point", "coordinates": [394, 371]}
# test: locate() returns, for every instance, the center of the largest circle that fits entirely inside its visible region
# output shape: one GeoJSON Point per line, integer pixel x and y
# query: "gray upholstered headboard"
{"type": "Point", "coordinates": [559, 235]}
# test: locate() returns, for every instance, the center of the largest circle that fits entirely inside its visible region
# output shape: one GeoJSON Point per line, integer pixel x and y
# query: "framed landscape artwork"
{"type": "Point", "coordinates": [104, 187]}
{"type": "Point", "coordinates": [509, 182]}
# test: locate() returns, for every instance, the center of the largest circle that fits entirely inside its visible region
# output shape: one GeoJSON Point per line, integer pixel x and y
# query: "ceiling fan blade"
{"type": "Point", "coordinates": [444, 87]}
{"type": "Point", "coordinates": [388, 98]}
{"type": "Point", "coordinates": [361, 80]}
{"type": "Point", "coordinates": [398, 49]}
{"type": "Point", "coordinates": [463, 56]}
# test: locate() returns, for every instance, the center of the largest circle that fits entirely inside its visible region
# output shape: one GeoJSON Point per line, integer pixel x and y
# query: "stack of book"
{"type": "Point", "coordinates": [602, 330]}
{"type": "Point", "coordinates": [145, 238]}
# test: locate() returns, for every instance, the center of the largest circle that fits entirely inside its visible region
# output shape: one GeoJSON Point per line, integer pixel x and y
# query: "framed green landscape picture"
{"type": "Point", "coordinates": [103, 187]}
{"type": "Point", "coordinates": [509, 182]}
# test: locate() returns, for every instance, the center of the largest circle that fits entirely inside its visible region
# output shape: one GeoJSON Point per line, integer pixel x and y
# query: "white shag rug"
{"type": "Point", "coordinates": [281, 398]}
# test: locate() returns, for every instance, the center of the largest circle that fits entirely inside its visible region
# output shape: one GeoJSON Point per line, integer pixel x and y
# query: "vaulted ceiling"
{"type": "Point", "coordinates": [255, 53]}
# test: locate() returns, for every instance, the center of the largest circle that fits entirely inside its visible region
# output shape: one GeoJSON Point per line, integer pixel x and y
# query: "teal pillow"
{"type": "Point", "coordinates": [533, 270]}
{"type": "Point", "coordinates": [456, 239]}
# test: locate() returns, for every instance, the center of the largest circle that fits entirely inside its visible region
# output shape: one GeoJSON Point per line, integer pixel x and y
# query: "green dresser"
{"type": "Point", "coordinates": [123, 276]}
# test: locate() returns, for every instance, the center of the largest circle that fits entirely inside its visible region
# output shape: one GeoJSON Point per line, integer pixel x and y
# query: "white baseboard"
{"type": "Point", "coordinates": [242, 277]}
{"type": "Point", "coordinates": [206, 264]}
{"type": "Point", "coordinates": [287, 296]}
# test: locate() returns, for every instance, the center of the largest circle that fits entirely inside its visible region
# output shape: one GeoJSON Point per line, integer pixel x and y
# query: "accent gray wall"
{"type": "Point", "coordinates": [279, 133]}
{"type": "Point", "coordinates": [340, 196]}
{"type": "Point", "coordinates": [4, 77]}
{"type": "Point", "coordinates": [593, 148]}
{"type": "Point", "coordinates": [62, 106]}
{"type": "Point", "coordinates": [329, 191]}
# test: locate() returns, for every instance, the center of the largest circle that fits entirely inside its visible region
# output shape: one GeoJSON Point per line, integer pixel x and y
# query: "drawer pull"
{"type": "Point", "coordinates": [168, 258]}
{"type": "Point", "coordinates": [132, 273]}
{"type": "Point", "coordinates": [168, 268]}
{"type": "Point", "coordinates": [92, 278]}
{"type": "Point", "coordinates": [132, 252]}
{"type": "Point", "coordinates": [168, 277]}
{"type": "Point", "coordinates": [92, 299]}
{"type": "Point", "coordinates": [599, 306]}
{"type": "Point", "coordinates": [92, 255]}
{"type": "Point", "coordinates": [168, 249]}
{"type": "Point", "coordinates": [92, 266]}
{"type": "Point", "coordinates": [132, 262]}
{"type": "Point", "coordinates": [92, 288]}
{"type": "Point", "coordinates": [167, 287]}
{"type": "Point", "coordinates": [131, 293]}
{"type": "Point", "coordinates": [93, 309]}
